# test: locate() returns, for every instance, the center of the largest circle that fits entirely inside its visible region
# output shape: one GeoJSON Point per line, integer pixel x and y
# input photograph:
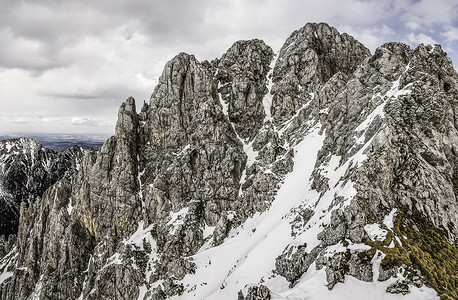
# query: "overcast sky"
{"type": "Point", "coordinates": [66, 66]}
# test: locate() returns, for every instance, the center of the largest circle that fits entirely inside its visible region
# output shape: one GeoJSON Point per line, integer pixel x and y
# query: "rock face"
{"type": "Point", "coordinates": [27, 170]}
{"type": "Point", "coordinates": [309, 58]}
{"type": "Point", "coordinates": [261, 176]}
{"type": "Point", "coordinates": [242, 72]}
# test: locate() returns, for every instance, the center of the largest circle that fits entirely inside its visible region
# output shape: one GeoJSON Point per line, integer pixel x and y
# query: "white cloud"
{"type": "Point", "coordinates": [412, 25]}
{"type": "Point", "coordinates": [451, 34]}
{"type": "Point", "coordinates": [427, 12]}
{"type": "Point", "coordinates": [416, 39]}
{"type": "Point", "coordinates": [24, 53]}
{"type": "Point", "coordinates": [88, 121]}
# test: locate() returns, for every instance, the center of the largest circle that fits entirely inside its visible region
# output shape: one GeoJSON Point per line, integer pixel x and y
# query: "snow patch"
{"type": "Point", "coordinates": [247, 146]}
{"type": "Point", "coordinates": [393, 93]}
{"type": "Point", "coordinates": [4, 276]}
{"type": "Point", "coordinates": [142, 292]}
{"type": "Point", "coordinates": [251, 153]}
{"type": "Point", "coordinates": [224, 104]}
{"type": "Point", "coordinates": [177, 219]}
{"type": "Point", "coordinates": [288, 123]}
{"type": "Point", "coordinates": [376, 261]}
{"type": "Point", "coordinates": [115, 259]}
{"type": "Point", "coordinates": [339, 186]}
{"type": "Point", "coordinates": [69, 207]}
{"type": "Point", "coordinates": [37, 291]}
{"type": "Point", "coordinates": [208, 231]}
{"type": "Point", "coordinates": [359, 247]}
{"type": "Point", "coordinates": [389, 219]}
{"type": "Point", "coordinates": [267, 100]}
{"type": "Point", "coordinates": [391, 245]}
{"type": "Point", "coordinates": [142, 234]}
{"type": "Point", "coordinates": [313, 286]}
{"type": "Point", "coordinates": [378, 111]}
{"type": "Point", "coordinates": [332, 250]}
{"type": "Point", "coordinates": [375, 232]}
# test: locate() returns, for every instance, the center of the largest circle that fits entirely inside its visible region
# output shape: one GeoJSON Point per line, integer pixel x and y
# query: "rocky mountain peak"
{"type": "Point", "coordinates": [185, 88]}
{"type": "Point", "coordinates": [307, 60]}
{"type": "Point", "coordinates": [389, 56]}
{"type": "Point", "coordinates": [261, 176]}
{"type": "Point", "coordinates": [127, 124]}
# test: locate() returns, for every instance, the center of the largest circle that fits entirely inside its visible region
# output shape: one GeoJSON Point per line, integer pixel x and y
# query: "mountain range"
{"type": "Point", "coordinates": [320, 171]}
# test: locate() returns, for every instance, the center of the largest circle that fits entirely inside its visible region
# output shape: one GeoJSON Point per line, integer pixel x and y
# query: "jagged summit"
{"type": "Point", "coordinates": [309, 58]}
{"type": "Point", "coordinates": [319, 172]}
{"type": "Point", "coordinates": [329, 51]}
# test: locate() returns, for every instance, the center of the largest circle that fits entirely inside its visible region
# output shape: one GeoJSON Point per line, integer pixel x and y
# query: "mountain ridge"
{"type": "Point", "coordinates": [27, 170]}
{"type": "Point", "coordinates": [343, 175]}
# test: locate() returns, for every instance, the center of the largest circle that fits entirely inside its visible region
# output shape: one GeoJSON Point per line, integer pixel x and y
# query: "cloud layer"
{"type": "Point", "coordinates": [65, 66]}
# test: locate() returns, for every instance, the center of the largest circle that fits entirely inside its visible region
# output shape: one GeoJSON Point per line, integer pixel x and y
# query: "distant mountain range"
{"type": "Point", "coordinates": [62, 141]}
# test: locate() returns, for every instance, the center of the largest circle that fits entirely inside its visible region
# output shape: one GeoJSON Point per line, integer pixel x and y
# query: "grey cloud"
{"type": "Point", "coordinates": [83, 57]}
{"type": "Point", "coordinates": [54, 26]}
{"type": "Point", "coordinates": [102, 95]}
{"type": "Point", "coordinates": [24, 53]}
{"type": "Point", "coordinates": [59, 25]}
{"type": "Point", "coordinates": [450, 33]}
{"type": "Point", "coordinates": [428, 13]}
{"type": "Point", "coordinates": [74, 96]}
{"type": "Point", "coordinates": [20, 121]}
{"type": "Point", "coordinates": [421, 38]}
{"type": "Point", "coordinates": [84, 121]}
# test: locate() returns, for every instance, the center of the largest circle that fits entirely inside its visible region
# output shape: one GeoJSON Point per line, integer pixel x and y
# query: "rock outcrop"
{"type": "Point", "coordinates": [261, 176]}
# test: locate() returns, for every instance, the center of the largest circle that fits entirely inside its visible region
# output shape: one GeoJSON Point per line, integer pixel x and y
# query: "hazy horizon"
{"type": "Point", "coordinates": [58, 141]}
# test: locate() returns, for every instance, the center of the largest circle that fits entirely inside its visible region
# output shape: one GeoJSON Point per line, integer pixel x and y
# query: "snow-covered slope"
{"type": "Point", "coordinates": [248, 254]}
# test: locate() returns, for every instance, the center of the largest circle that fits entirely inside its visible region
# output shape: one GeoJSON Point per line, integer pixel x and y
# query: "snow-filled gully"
{"type": "Point", "coordinates": [249, 253]}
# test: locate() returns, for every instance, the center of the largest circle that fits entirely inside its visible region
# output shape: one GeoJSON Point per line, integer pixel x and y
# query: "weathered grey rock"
{"type": "Point", "coordinates": [242, 75]}
{"type": "Point", "coordinates": [398, 288]}
{"type": "Point", "coordinates": [221, 230]}
{"type": "Point", "coordinates": [295, 261]}
{"type": "Point", "coordinates": [310, 57]}
{"type": "Point", "coordinates": [359, 269]}
{"type": "Point", "coordinates": [256, 293]}
{"type": "Point", "coordinates": [336, 268]}
{"type": "Point", "coordinates": [336, 231]}
{"type": "Point", "coordinates": [27, 170]}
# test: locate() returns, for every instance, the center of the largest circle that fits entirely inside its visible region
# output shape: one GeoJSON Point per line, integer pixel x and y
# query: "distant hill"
{"type": "Point", "coordinates": [62, 141]}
